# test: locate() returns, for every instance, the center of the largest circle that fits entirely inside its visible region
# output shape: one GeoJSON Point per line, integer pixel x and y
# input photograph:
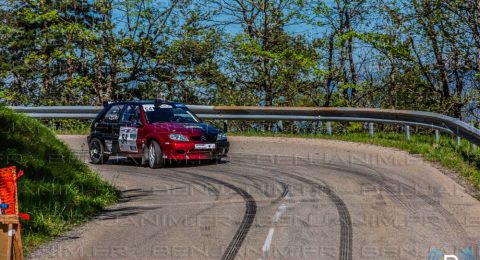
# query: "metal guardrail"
{"type": "Point", "coordinates": [388, 116]}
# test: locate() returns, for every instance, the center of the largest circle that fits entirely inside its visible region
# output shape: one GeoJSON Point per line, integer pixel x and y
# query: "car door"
{"type": "Point", "coordinates": [131, 131]}
{"type": "Point", "coordinates": [110, 128]}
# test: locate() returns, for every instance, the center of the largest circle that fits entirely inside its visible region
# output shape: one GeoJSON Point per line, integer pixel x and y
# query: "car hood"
{"type": "Point", "coordinates": [188, 128]}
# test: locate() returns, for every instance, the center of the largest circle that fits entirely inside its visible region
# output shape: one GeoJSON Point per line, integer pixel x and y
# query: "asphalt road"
{"type": "Point", "coordinates": [278, 198]}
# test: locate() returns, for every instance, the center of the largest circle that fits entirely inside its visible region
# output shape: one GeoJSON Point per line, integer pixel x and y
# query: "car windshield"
{"type": "Point", "coordinates": [167, 113]}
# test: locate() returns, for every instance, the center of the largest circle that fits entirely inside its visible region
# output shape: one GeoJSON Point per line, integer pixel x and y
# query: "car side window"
{"type": "Point", "coordinates": [131, 115]}
{"type": "Point", "coordinates": [113, 114]}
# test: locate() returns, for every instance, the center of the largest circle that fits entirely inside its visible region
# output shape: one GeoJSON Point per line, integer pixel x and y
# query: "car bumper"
{"type": "Point", "coordinates": [187, 151]}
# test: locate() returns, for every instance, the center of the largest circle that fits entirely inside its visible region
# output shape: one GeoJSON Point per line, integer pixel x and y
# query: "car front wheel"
{"type": "Point", "coordinates": [155, 156]}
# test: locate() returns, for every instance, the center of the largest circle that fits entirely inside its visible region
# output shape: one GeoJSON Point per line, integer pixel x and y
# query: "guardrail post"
{"type": "Point", "coordinates": [280, 126]}
{"type": "Point", "coordinates": [329, 128]}
{"type": "Point", "coordinates": [407, 132]}
{"type": "Point", "coordinates": [459, 140]}
{"type": "Point", "coordinates": [320, 127]}
{"type": "Point", "coordinates": [370, 129]}
{"type": "Point", "coordinates": [225, 126]}
{"type": "Point", "coordinates": [437, 136]}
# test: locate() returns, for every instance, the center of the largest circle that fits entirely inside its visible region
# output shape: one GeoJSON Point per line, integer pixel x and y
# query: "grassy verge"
{"type": "Point", "coordinates": [57, 190]}
{"type": "Point", "coordinates": [464, 159]}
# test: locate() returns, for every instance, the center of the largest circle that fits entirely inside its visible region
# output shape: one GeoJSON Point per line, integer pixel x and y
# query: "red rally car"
{"type": "Point", "coordinates": [153, 132]}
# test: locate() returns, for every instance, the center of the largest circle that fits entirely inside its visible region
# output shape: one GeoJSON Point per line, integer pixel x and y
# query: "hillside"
{"type": "Point", "coordinates": [57, 190]}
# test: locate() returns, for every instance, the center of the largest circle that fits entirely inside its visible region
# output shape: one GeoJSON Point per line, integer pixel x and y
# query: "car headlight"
{"type": "Point", "coordinates": [178, 137]}
{"type": "Point", "coordinates": [221, 137]}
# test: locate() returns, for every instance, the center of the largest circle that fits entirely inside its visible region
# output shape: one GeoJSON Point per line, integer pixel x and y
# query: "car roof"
{"type": "Point", "coordinates": [145, 102]}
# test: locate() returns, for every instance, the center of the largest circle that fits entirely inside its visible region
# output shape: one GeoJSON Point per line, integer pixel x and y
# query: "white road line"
{"type": "Point", "coordinates": [279, 213]}
{"type": "Point", "coordinates": [268, 241]}
{"type": "Point", "coordinates": [275, 219]}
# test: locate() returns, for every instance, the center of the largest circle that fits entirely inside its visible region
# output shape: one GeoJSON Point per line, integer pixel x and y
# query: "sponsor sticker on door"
{"type": "Point", "coordinates": [128, 139]}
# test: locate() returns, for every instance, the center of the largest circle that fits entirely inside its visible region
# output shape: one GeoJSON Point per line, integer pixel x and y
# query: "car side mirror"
{"type": "Point", "coordinates": [139, 124]}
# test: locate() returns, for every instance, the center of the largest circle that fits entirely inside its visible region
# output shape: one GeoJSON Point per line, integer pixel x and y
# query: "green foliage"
{"type": "Point", "coordinates": [396, 54]}
{"type": "Point", "coordinates": [355, 127]}
{"type": "Point", "coordinates": [57, 190]}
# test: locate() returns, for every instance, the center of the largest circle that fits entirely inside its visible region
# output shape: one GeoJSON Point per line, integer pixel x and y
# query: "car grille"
{"type": "Point", "coordinates": [204, 138]}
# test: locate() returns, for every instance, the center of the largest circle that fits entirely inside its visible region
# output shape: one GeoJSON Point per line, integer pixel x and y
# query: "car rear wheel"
{"type": "Point", "coordinates": [155, 155]}
{"type": "Point", "coordinates": [97, 152]}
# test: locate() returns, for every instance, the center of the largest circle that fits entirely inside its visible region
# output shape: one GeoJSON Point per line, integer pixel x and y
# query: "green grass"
{"type": "Point", "coordinates": [80, 130]}
{"type": "Point", "coordinates": [68, 126]}
{"type": "Point", "coordinates": [464, 160]}
{"type": "Point", "coordinates": [58, 190]}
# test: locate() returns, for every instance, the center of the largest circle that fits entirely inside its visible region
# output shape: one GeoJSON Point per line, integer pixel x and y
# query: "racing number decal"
{"type": "Point", "coordinates": [151, 108]}
{"type": "Point", "coordinates": [148, 108]}
{"type": "Point", "coordinates": [127, 139]}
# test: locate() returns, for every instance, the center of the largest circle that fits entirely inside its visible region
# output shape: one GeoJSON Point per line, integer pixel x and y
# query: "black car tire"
{"type": "Point", "coordinates": [155, 155]}
{"type": "Point", "coordinates": [145, 156]}
{"type": "Point", "coordinates": [97, 151]}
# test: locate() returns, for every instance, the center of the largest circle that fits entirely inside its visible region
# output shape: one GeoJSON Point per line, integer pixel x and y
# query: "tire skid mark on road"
{"type": "Point", "coordinates": [345, 251]}
{"type": "Point", "coordinates": [284, 193]}
{"type": "Point", "coordinates": [248, 217]}
{"type": "Point", "coordinates": [449, 217]}
{"type": "Point", "coordinates": [386, 183]}
{"type": "Point", "coordinates": [133, 169]}
{"type": "Point", "coordinates": [258, 181]}
{"type": "Point", "coordinates": [185, 180]}
{"type": "Point", "coordinates": [138, 243]}
{"type": "Point", "coordinates": [346, 236]}
{"type": "Point", "coordinates": [285, 189]}
{"type": "Point", "coordinates": [177, 179]}
{"type": "Point", "coordinates": [380, 179]}
{"type": "Point", "coordinates": [250, 211]}
{"type": "Point", "coordinates": [211, 188]}
{"type": "Point", "coordinates": [171, 176]}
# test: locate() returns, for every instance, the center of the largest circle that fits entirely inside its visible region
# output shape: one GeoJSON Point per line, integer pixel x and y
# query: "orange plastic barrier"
{"type": "Point", "coordinates": [10, 231]}
{"type": "Point", "coordinates": [8, 190]}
